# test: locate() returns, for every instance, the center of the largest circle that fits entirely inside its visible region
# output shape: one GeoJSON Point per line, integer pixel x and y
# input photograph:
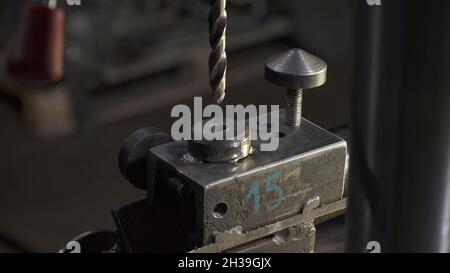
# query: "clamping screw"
{"type": "Point", "coordinates": [295, 70]}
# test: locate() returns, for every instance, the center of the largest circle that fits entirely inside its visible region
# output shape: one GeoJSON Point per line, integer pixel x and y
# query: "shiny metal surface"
{"type": "Point", "coordinates": [294, 107]}
{"type": "Point", "coordinates": [296, 70]}
{"type": "Point", "coordinates": [309, 162]}
{"type": "Point", "coordinates": [231, 148]}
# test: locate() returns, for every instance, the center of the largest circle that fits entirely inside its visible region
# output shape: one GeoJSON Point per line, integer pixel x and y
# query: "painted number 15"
{"type": "Point", "coordinates": [269, 187]}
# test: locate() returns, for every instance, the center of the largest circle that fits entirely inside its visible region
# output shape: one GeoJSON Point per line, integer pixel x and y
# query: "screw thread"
{"type": "Point", "coordinates": [294, 107]}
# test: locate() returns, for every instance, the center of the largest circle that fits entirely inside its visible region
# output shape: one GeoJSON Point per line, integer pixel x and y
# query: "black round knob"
{"type": "Point", "coordinates": [134, 151]}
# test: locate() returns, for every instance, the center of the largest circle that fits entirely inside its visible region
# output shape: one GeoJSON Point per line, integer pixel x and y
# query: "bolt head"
{"type": "Point", "coordinates": [296, 69]}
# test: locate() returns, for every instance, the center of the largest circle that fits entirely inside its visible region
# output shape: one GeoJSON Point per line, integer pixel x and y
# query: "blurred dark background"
{"type": "Point", "coordinates": [127, 64]}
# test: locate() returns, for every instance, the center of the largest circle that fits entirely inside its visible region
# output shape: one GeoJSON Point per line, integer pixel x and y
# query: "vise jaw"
{"type": "Point", "coordinates": [206, 200]}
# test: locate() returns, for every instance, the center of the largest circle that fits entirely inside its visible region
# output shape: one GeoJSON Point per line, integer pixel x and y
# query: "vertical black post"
{"type": "Point", "coordinates": [401, 127]}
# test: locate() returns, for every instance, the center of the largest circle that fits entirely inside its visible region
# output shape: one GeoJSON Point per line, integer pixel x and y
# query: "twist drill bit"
{"type": "Point", "coordinates": [218, 57]}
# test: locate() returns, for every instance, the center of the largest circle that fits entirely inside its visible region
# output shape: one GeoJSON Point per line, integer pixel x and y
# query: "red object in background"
{"type": "Point", "coordinates": [37, 49]}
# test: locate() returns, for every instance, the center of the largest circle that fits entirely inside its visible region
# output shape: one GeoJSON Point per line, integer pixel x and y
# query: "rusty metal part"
{"type": "Point", "coordinates": [139, 233]}
{"type": "Point", "coordinates": [266, 202]}
{"type": "Point", "coordinates": [227, 240]}
{"type": "Point", "coordinates": [208, 204]}
{"type": "Point", "coordinates": [261, 189]}
{"type": "Point", "coordinates": [297, 239]}
{"type": "Point", "coordinates": [218, 57]}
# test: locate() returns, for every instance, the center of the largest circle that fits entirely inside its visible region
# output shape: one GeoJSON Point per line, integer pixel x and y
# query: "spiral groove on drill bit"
{"type": "Point", "coordinates": [294, 107]}
{"type": "Point", "coordinates": [218, 57]}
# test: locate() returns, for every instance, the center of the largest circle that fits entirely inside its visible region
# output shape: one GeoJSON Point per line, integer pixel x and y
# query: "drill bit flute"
{"type": "Point", "coordinates": [218, 57]}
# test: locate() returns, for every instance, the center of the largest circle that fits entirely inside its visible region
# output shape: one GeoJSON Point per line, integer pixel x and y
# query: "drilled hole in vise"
{"type": "Point", "coordinates": [220, 210]}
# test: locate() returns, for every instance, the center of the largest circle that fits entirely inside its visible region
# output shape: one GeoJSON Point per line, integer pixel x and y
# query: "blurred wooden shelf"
{"type": "Point", "coordinates": [47, 110]}
{"type": "Point", "coordinates": [166, 75]}
{"type": "Point", "coordinates": [170, 89]}
{"type": "Point", "coordinates": [171, 74]}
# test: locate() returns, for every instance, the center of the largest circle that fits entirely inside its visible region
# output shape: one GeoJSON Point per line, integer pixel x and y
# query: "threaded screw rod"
{"type": "Point", "coordinates": [294, 107]}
